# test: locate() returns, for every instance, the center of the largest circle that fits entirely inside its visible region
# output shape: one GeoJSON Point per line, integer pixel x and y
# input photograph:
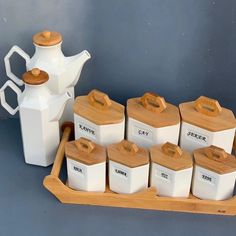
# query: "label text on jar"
{"type": "Point", "coordinates": [200, 138]}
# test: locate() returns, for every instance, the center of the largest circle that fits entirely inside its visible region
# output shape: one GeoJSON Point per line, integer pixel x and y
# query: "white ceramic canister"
{"type": "Point", "coordinates": [214, 174]}
{"type": "Point", "coordinates": [99, 118]}
{"type": "Point", "coordinates": [171, 170]}
{"type": "Point", "coordinates": [152, 121]}
{"type": "Point", "coordinates": [64, 72]}
{"type": "Point", "coordinates": [128, 167]}
{"type": "Point", "coordinates": [205, 123]}
{"type": "Point", "coordinates": [40, 111]}
{"type": "Point", "coordinates": [86, 165]}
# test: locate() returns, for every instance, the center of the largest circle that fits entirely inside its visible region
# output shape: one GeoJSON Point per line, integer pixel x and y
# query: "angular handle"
{"type": "Point", "coordinates": [172, 150]}
{"type": "Point", "coordinates": [10, 74]}
{"type": "Point", "coordinates": [208, 106]}
{"type": "Point", "coordinates": [128, 147]}
{"type": "Point", "coordinates": [215, 153]}
{"type": "Point", "coordinates": [85, 145]}
{"type": "Point", "coordinates": [4, 103]}
{"type": "Point", "coordinates": [99, 99]}
{"type": "Point", "coordinates": [153, 102]}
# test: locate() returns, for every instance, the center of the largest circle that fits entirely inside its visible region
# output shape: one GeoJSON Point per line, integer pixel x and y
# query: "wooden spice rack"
{"type": "Point", "coordinates": [143, 200]}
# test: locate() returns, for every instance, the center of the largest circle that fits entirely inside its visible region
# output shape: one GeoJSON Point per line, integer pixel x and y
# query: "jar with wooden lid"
{"type": "Point", "coordinates": [86, 165]}
{"type": "Point", "coordinates": [99, 118]}
{"type": "Point", "coordinates": [39, 111]}
{"type": "Point", "coordinates": [152, 121]}
{"type": "Point", "coordinates": [128, 167]}
{"type": "Point", "coordinates": [64, 72]}
{"type": "Point", "coordinates": [214, 174]}
{"type": "Point", "coordinates": [171, 170]}
{"type": "Point", "coordinates": [205, 123]}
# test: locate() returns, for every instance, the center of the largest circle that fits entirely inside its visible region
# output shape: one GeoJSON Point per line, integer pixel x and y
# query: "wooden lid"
{"type": "Point", "coordinates": [85, 151]}
{"type": "Point", "coordinates": [128, 154]}
{"type": "Point", "coordinates": [47, 38]}
{"type": "Point", "coordinates": [98, 108]}
{"type": "Point", "coordinates": [152, 109]}
{"type": "Point", "coordinates": [207, 114]}
{"type": "Point", "coordinates": [215, 159]}
{"type": "Point", "coordinates": [171, 156]}
{"type": "Point", "coordinates": [35, 77]}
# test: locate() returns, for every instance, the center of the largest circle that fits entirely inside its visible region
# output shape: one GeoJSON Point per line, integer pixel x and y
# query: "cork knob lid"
{"type": "Point", "coordinates": [171, 156]}
{"type": "Point", "coordinates": [35, 77]}
{"type": "Point", "coordinates": [47, 38]}
{"type": "Point", "coordinates": [215, 159]}
{"type": "Point", "coordinates": [128, 154]}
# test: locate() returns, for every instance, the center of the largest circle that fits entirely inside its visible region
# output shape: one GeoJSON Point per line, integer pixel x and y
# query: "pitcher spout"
{"type": "Point", "coordinates": [74, 67]}
{"type": "Point", "coordinates": [57, 105]}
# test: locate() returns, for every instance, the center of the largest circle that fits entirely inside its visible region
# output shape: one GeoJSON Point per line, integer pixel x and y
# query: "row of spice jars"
{"type": "Point", "coordinates": [151, 120]}
{"type": "Point", "coordinates": [170, 171]}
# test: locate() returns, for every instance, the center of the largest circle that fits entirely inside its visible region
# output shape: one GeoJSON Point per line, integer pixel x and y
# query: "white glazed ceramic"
{"type": "Point", "coordinates": [86, 177]}
{"type": "Point", "coordinates": [100, 134]}
{"type": "Point", "coordinates": [64, 72]}
{"type": "Point", "coordinates": [171, 183]}
{"type": "Point", "coordinates": [39, 115]}
{"type": "Point", "coordinates": [123, 179]}
{"type": "Point", "coordinates": [193, 137]}
{"type": "Point", "coordinates": [145, 135]}
{"type": "Point", "coordinates": [211, 185]}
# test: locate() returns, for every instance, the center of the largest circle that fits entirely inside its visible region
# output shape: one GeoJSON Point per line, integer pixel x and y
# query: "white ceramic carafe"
{"type": "Point", "coordinates": [40, 111]}
{"type": "Point", "coordinates": [64, 72]}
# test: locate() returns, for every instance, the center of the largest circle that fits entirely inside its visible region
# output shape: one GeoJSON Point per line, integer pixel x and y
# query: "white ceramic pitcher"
{"type": "Point", "coordinates": [40, 111]}
{"type": "Point", "coordinates": [64, 72]}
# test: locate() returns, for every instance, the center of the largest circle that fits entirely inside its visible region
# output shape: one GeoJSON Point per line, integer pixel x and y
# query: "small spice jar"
{"type": "Point", "coordinates": [214, 174]}
{"type": "Point", "coordinates": [128, 167]}
{"type": "Point", "coordinates": [86, 165]}
{"type": "Point", "coordinates": [205, 123]}
{"type": "Point", "coordinates": [98, 118]}
{"type": "Point", "coordinates": [152, 121]}
{"type": "Point", "coordinates": [171, 170]}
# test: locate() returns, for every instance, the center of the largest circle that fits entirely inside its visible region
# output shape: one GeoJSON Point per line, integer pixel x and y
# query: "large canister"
{"type": "Point", "coordinates": [151, 120]}
{"type": "Point", "coordinates": [205, 123]}
{"type": "Point", "coordinates": [99, 118]}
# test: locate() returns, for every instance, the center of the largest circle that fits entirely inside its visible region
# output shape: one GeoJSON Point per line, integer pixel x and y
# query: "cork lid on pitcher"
{"type": "Point", "coordinates": [35, 77]}
{"type": "Point", "coordinates": [47, 38]}
{"type": "Point", "coordinates": [215, 159]}
{"type": "Point", "coordinates": [98, 108]}
{"type": "Point", "coordinates": [207, 113]}
{"type": "Point", "coordinates": [171, 156]}
{"type": "Point", "coordinates": [128, 154]}
{"type": "Point", "coordinates": [85, 151]}
{"type": "Point", "coordinates": [153, 110]}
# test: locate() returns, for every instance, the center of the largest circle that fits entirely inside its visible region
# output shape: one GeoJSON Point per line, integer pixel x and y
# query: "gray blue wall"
{"type": "Point", "coordinates": [179, 49]}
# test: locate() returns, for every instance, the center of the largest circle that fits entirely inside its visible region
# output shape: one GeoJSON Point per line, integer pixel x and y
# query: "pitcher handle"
{"type": "Point", "coordinates": [10, 74]}
{"type": "Point", "coordinates": [4, 103]}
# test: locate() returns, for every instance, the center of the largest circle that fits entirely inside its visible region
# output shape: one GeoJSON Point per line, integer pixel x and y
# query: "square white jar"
{"type": "Point", "coordinates": [171, 183]}
{"type": "Point", "coordinates": [127, 180]}
{"type": "Point", "coordinates": [210, 185]}
{"type": "Point", "coordinates": [193, 137]}
{"type": "Point", "coordinates": [86, 177]}
{"type": "Point", "coordinates": [145, 135]}
{"type": "Point", "coordinates": [101, 134]}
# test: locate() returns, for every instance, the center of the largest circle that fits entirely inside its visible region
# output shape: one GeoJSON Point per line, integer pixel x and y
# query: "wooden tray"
{"type": "Point", "coordinates": [143, 200]}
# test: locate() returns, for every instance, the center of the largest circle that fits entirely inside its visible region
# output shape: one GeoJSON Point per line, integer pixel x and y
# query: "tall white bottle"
{"type": "Point", "coordinates": [40, 111]}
